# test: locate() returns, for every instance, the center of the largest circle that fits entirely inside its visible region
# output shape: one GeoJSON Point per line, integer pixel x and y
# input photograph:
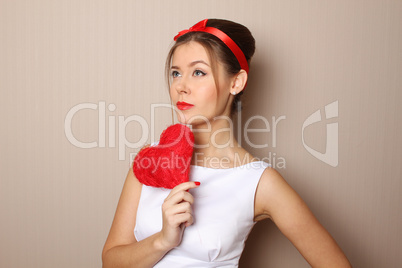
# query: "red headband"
{"type": "Point", "coordinates": [201, 27]}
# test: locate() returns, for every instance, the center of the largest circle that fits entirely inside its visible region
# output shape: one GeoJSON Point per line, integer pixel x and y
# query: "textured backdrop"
{"type": "Point", "coordinates": [77, 84]}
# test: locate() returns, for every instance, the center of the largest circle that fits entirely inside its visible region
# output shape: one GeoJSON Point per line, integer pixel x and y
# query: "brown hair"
{"type": "Point", "coordinates": [217, 50]}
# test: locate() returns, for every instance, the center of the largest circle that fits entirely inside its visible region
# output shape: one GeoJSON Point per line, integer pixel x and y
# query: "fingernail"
{"type": "Point", "coordinates": [197, 183]}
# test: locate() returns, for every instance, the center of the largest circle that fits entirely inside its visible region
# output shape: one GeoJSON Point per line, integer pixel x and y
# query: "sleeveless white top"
{"type": "Point", "coordinates": [223, 213]}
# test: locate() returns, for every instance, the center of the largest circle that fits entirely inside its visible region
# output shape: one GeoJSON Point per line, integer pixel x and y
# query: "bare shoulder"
{"type": "Point", "coordinates": [272, 192]}
{"type": "Point", "coordinates": [121, 231]}
{"type": "Point", "coordinates": [130, 194]}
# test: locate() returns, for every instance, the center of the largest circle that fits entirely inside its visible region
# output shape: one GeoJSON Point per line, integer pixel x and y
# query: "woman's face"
{"type": "Point", "coordinates": [193, 90]}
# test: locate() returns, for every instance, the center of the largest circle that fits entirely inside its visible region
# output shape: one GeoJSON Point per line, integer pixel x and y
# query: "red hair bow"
{"type": "Point", "coordinates": [199, 27]}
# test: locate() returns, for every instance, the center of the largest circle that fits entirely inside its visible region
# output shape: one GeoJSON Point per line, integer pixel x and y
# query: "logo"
{"type": "Point", "coordinates": [330, 156]}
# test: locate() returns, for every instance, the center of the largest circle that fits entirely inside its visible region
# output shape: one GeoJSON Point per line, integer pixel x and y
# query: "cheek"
{"type": "Point", "coordinates": [210, 93]}
{"type": "Point", "coordinates": [211, 96]}
{"type": "Point", "coordinates": [172, 93]}
{"type": "Point", "coordinates": [207, 101]}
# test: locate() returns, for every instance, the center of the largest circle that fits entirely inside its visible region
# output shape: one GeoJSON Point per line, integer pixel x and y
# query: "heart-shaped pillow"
{"type": "Point", "coordinates": [168, 163]}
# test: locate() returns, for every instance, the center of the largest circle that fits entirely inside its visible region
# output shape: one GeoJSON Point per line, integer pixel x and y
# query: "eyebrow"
{"type": "Point", "coordinates": [191, 64]}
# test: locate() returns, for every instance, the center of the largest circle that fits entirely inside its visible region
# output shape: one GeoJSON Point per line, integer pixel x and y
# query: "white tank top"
{"type": "Point", "coordinates": [223, 212]}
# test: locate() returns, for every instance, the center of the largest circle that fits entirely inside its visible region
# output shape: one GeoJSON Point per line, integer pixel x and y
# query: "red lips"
{"type": "Point", "coordinates": [181, 105]}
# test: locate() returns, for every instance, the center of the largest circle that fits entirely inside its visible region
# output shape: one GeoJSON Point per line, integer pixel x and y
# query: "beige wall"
{"type": "Point", "coordinates": [57, 200]}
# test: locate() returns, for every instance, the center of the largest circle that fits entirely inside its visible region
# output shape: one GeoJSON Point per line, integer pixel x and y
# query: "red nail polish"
{"type": "Point", "coordinates": [197, 183]}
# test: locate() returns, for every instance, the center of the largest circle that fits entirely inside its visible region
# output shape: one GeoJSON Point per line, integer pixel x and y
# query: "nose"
{"type": "Point", "coordinates": [182, 87]}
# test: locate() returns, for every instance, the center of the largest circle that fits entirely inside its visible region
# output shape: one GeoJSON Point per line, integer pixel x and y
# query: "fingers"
{"type": "Point", "coordinates": [175, 220]}
{"type": "Point", "coordinates": [183, 207]}
{"type": "Point", "coordinates": [186, 218]}
{"type": "Point", "coordinates": [177, 206]}
{"type": "Point", "coordinates": [179, 197]}
{"type": "Point", "coordinates": [177, 213]}
{"type": "Point", "coordinates": [180, 193]}
{"type": "Point", "coordinates": [184, 187]}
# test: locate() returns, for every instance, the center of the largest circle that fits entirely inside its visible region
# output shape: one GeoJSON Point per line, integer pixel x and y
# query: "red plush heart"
{"type": "Point", "coordinates": [168, 163]}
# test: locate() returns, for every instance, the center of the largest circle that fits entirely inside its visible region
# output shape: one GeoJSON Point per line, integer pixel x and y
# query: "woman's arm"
{"type": "Point", "coordinates": [121, 248]}
{"type": "Point", "coordinates": [275, 199]}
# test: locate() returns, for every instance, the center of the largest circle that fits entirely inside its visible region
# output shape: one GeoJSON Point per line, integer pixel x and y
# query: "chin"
{"type": "Point", "coordinates": [181, 118]}
{"type": "Point", "coordinates": [193, 120]}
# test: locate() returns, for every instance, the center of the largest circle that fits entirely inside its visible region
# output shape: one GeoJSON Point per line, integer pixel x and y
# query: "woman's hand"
{"type": "Point", "coordinates": [177, 214]}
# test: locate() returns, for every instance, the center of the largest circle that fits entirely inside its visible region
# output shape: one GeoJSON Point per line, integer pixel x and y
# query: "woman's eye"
{"type": "Point", "coordinates": [175, 74]}
{"type": "Point", "coordinates": [198, 73]}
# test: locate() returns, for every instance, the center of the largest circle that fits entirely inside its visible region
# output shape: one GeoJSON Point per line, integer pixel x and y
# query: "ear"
{"type": "Point", "coordinates": [239, 82]}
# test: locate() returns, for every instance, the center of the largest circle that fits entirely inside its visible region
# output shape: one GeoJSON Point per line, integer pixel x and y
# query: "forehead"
{"type": "Point", "coordinates": [189, 52]}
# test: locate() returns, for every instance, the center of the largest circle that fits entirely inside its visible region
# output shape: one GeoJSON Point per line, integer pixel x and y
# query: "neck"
{"type": "Point", "coordinates": [214, 141]}
{"type": "Point", "coordinates": [214, 134]}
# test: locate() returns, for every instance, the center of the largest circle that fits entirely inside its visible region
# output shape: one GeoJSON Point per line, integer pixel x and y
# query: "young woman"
{"type": "Point", "coordinates": [205, 222]}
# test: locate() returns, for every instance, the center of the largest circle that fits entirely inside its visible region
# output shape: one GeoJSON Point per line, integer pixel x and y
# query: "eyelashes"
{"type": "Point", "coordinates": [174, 74]}
{"type": "Point", "coordinates": [196, 73]}
{"type": "Point", "coordinates": [199, 73]}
